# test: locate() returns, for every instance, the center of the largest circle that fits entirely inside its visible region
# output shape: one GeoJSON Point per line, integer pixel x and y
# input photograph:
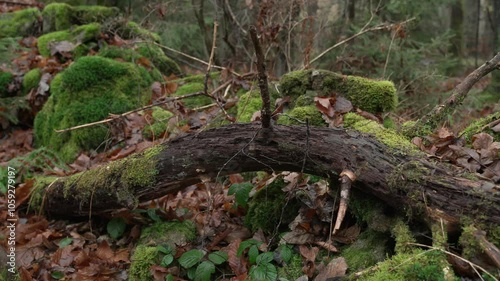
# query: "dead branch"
{"type": "Point", "coordinates": [346, 179]}
{"type": "Point", "coordinates": [434, 118]}
{"type": "Point", "coordinates": [264, 90]}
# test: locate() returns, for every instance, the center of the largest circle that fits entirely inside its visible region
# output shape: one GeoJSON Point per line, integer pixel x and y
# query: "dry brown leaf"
{"type": "Point", "coordinates": [336, 268]}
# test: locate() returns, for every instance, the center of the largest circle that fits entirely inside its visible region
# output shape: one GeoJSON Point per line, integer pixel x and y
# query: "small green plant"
{"type": "Point", "coordinates": [262, 267]}
{"type": "Point", "coordinates": [198, 268]}
{"type": "Point", "coordinates": [116, 227]}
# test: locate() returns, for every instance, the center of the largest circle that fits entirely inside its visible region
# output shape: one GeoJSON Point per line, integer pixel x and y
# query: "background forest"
{"type": "Point", "coordinates": [90, 83]}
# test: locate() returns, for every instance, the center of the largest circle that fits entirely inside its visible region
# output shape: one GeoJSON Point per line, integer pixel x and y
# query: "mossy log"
{"type": "Point", "coordinates": [406, 181]}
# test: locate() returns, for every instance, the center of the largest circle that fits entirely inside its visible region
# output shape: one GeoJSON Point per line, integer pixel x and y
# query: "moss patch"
{"type": "Point", "coordinates": [369, 95]}
{"type": "Point", "coordinates": [384, 135]}
{"type": "Point", "coordinates": [61, 16]}
{"type": "Point", "coordinates": [31, 80]}
{"type": "Point", "coordinates": [248, 104]}
{"type": "Point", "coordinates": [5, 79]}
{"type": "Point", "coordinates": [133, 30]}
{"type": "Point", "coordinates": [159, 123]}
{"type": "Point", "coordinates": [156, 55]}
{"type": "Point", "coordinates": [369, 249]}
{"type": "Point", "coordinates": [80, 35]}
{"type": "Point", "coordinates": [193, 102]}
{"type": "Point", "coordinates": [88, 91]}
{"type": "Point", "coordinates": [477, 127]}
{"type": "Point", "coordinates": [20, 23]}
{"type": "Point", "coordinates": [172, 233]}
{"type": "Point", "coordinates": [141, 261]}
{"type": "Point", "coordinates": [267, 208]}
{"type": "Point", "coordinates": [298, 116]}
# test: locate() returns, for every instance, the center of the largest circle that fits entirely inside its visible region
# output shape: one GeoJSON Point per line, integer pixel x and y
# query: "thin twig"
{"type": "Point", "coordinates": [264, 90]}
{"type": "Point", "coordinates": [361, 32]}
{"type": "Point", "coordinates": [389, 51]}
{"type": "Point", "coordinates": [228, 6]}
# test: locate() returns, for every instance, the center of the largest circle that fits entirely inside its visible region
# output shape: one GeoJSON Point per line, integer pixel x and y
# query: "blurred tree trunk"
{"type": "Point", "coordinates": [351, 4]}
{"type": "Point", "coordinates": [198, 9]}
{"type": "Point", "coordinates": [456, 25]}
{"type": "Point", "coordinates": [471, 15]}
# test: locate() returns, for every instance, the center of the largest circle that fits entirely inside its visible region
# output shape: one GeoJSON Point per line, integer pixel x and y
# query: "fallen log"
{"type": "Point", "coordinates": [404, 180]}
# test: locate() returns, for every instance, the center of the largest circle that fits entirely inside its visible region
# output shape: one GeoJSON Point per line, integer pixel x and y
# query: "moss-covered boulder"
{"type": "Point", "coordinates": [160, 62]}
{"type": "Point", "coordinates": [20, 23]}
{"type": "Point", "coordinates": [61, 16]}
{"type": "Point", "coordinates": [133, 30]}
{"type": "Point", "coordinates": [369, 95]}
{"type": "Point", "coordinates": [5, 79]}
{"type": "Point", "coordinates": [269, 206]}
{"type": "Point", "coordinates": [88, 91]}
{"type": "Point", "coordinates": [31, 80]}
{"type": "Point", "coordinates": [78, 36]}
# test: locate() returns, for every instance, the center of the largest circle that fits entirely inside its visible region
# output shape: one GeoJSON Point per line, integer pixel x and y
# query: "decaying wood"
{"type": "Point", "coordinates": [402, 181]}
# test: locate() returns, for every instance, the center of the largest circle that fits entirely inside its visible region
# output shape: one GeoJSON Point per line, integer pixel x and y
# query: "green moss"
{"type": "Point", "coordinates": [384, 135]}
{"type": "Point", "coordinates": [159, 124]}
{"type": "Point", "coordinates": [193, 102]}
{"type": "Point", "coordinates": [61, 16]}
{"type": "Point", "coordinates": [81, 34]}
{"type": "Point", "coordinates": [141, 261]}
{"type": "Point", "coordinates": [267, 208]}
{"type": "Point", "coordinates": [171, 233]}
{"type": "Point", "coordinates": [198, 78]}
{"type": "Point", "coordinates": [20, 23]}
{"type": "Point", "coordinates": [88, 91]}
{"type": "Point", "coordinates": [56, 17]}
{"type": "Point", "coordinates": [115, 52]}
{"type": "Point", "coordinates": [369, 249]}
{"type": "Point", "coordinates": [38, 192]}
{"type": "Point", "coordinates": [292, 270]}
{"type": "Point", "coordinates": [156, 55]}
{"type": "Point", "coordinates": [369, 95]}
{"type": "Point", "coordinates": [133, 30]}
{"type": "Point", "coordinates": [480, 126]}
{"type": "Point", "coordinates": [31, 80]}
{"type": "Point", "coordinates": [298, 116]}
{"type": "Point", "coordinates": [370, 210]}
{"type": "Point", "coordinates": [401, 232]}
{"type": "Point", "coordinates": [248, 104]}
{"type": "Point", "coordinates": [5, 79]}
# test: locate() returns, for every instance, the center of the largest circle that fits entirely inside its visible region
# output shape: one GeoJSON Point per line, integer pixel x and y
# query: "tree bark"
{"type": "Point", "coordinates": [404, 181]}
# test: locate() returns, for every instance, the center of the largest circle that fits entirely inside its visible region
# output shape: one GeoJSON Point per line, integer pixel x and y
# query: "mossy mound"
{"type": "Point", "coordinates": [369, 249]}
{"type": "Point", "coordinates": [88, 91]}
{"type": "Point", "coordinates": [79, 36]}
{"type": "Point", "coordinates": [20, 23]}
{"type": "Point", "coordinates": [269, 206]}
{"type": "Point", "coordinates": [160, 62]}
{"type": "Point", "coordinates": [386, 136]}
{"type": "Point", "coordinates": [5, 79]}
{"type": "Point", "coordinates": [147, 254]}
{"type": "Point", "coordinates": [134, 30]}
{"type": "Point", "coordinates": [61, 16]}
{"type": "Point", "coordinates": [193, 102]}
{"type": "Point", "coordinates": [31, 80]}
{"type": "Point", "coordinates": [159, 124]}
{"type": "Point", "coordinates": [298, 116]}
{"type": "Point", "coordinates": [369, 95]}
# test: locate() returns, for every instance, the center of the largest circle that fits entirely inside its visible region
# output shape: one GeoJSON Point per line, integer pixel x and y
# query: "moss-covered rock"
{"type": "Point", "coordinates": [133, 30]}
{"type": "Point", "coordinates": [269, 206]}
{"type": "Point", "coordinates": [480, 126]}
{"type": "Point", "coordinates": [88, 91]}
{"type": "Point", "coordinates": [299, 114]}
{"type": "Point", "coordinates": [5, 79]}
{"type": "Point", "coordinates": [156, 55]}
{"type": "Point", "coordinates": [31, 80]}
{"type": "Point", "coordinates": [193, 102]}
{"type": "Point", "coordinates": [369, 95]}
{"type": "Point", "coordinates": [61, 16]}
{"type": "Point", "coordinates": [20, 23]}
{"type": "Point", "coordinates": [386, 136]}
{"type": "Point", "coordinates": [141, 261]}
{"type": "Point", "coordinates": [80, 35]}
{"type": "Point", "coordinates": [159, 124]}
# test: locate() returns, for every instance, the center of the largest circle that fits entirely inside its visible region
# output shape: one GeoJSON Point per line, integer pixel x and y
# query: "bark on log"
{"type": "Point", "coordinates": [402, 181]}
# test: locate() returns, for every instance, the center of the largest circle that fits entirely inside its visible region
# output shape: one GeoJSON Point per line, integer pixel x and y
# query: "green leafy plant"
{"type": "Point", "coordinates": [241, 192]}
{"type": "Point", "coordinates": [169, 254]}
{"type": "Point", "coordinates": [116, 227]}
{"type": "Point", "coordinates": [205, 268]}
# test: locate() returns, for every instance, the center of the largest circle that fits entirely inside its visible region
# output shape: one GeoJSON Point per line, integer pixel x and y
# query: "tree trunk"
{"type": "Point", "coordinates": [406, 181]}
{"type": "Point", "coordinates": [456, 25]}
